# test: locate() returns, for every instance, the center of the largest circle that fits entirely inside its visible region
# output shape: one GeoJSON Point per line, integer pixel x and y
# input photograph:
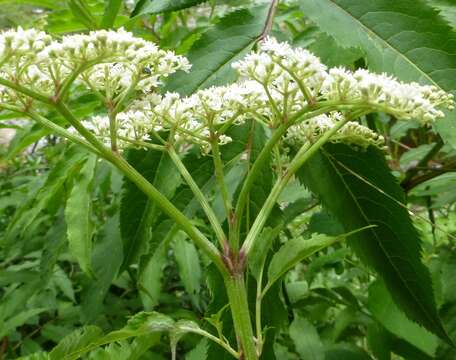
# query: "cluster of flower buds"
{"type": "Point", "coordinates": [278, 65]}
{"type": "Point", "coordinates": [352, 133]}
{"type": "Point", "coordinates": [276, 83]}
{"type": "Point", "coordinates": [110, 62]}
{"type": "Point", "coordinates": [383, 92]}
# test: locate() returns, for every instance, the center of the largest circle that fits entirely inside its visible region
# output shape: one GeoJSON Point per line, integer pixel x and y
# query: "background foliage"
{"type": "Point", "coordinates": [82, 249]}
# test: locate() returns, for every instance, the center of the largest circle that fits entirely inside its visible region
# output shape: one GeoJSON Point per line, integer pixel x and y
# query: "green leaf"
{"type": "Point", "coordinates": [14, 301]}
{"type": "Point", "coordinates": [77, 215]}
{"type": "Point", "coordinates": [408, 351]}
{"type": "Point", "coordinates": [387, 313]}
{"type": "Point", "coordinates": [25, 138]}
{"type": "Point", "coordinates": [151, 266]}
{"type": "Point", "coordinates": [124, 350]}
{"type": "Point", "coordinates": [137, 212]}
{"type": "Point", "coordinates": [404, 38]}
{"type": "Point", "coordinates": [109, 17]}
{"type": "Point", "coordinates": [141, 324]}
{"type": "Point", "coordinates": [331, 54]}
{"type": "Point", "coordinates": [211, 55]}
{"type": "Point", "coordinates": [373, 197]}
{"type": "Point", "coordinates": [199, 352]}
{"type": "Point", "coordinates": [18, 320]}
{"type": "Point", "coordinates": [379, 340]}
{"type": "Point", "coordinates": [81, 11]}
{"type": "Point", "coordinates": [55, 244]}
{"type": "Point", "coordinates": [160, 6]}
{"type": "Point", "coordinates": [188, 262]}
{"type": "Point", "coordinates": [77, 340]}
{"type": "Point", "coordinates": [106, 260]}
{"type": "Point", "coordinates": [180, 329]}
{"type": "Point", "coordinates": [261, 248]}
{"type": "Point", "coordinates": [88, 338]}
{"type": "Point", "coordinates": [294, 251]}
{"type": "Point", "coordinates": [306, 340]}
{"type": "Point", "coordinates": [447, 10]}
{"type": "Point", "coordinates": [35, 356]}
{"type": "Point", "coordinates": [37, 203]}
{"type": "Point", "coordinates": [345, 352]}
{"type": "Point", "coordinates": [69, 19]}
{"type": "Point", "coordinates": [63, 283]}
{"type": "Point", "coordinates": [332, 259]}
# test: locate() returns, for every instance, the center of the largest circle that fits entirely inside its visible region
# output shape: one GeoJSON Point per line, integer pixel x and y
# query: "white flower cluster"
{"type": "Point", "coordinates": [23, 45]}
{"type": "Point", "coordinates": [277, 83]}
{"type": "Point", "coordinates": [289, 76]}
{"type": "Point", "coordinates": [107, 61]}
{"type": "Point", "coordinates": [405, 101]}
{"type": "Point", "coordinates": [351, 133]}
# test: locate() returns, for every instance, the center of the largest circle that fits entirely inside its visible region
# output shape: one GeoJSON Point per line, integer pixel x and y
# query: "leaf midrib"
{"type": "Point", "coordinates": [380, 243]}
{"type": "Point", "coordinates": [385, 41]}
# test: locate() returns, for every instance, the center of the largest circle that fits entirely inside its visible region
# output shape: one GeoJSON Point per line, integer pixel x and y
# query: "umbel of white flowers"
{"type": "Point", "coordinates": [276, 83]}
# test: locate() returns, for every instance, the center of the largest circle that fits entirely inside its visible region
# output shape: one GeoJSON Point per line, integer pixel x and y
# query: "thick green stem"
{"type": "Point", "coordinates": [237, 296]}
{"type": "Point", "coordinates": [113, 132]}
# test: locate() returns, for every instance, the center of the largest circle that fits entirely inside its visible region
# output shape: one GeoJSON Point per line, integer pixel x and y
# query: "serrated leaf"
{"type": "Point", "coordinates": [212, 54]}
{"type": "Point", "coordinates": [296, 250]}
{"type": "Point", "coordinates": [123, 350]}
{"type": "Point", "coordinates": [75, 341]}
{"type": "Point", "coordinates": [18, 320]}
{"type": "Point", "coordinates": [151, 266]}
{"type": "Point", "coordinates": [88, 338]}
{"type": "Point", "coordinates": [137, 212]}
{"type": "Point", "coordinates": [140, 324]}
{"type": "Point", "coordinates": [382, 307]}
{"type": "Point", "coordinates": [77, 215]}
{"type": "Point", "coordinates": [106, 260]}
{"type": "Point", "coordinates": [373, 197]}
{"type": "Point", "coordinates": [150, 7]}
{"type": "Point", "coordinates": [403, 38]}
{"type": "Point", "coordinates": [446, 9]}
{"type": "Point", "coordinates": [188, 262]}
{"type": "Point", "coordinates": [37, 203]}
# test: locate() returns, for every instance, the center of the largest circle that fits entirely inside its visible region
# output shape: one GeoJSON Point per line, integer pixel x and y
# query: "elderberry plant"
{"type": "Point", "coordinates": [301, 104]}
